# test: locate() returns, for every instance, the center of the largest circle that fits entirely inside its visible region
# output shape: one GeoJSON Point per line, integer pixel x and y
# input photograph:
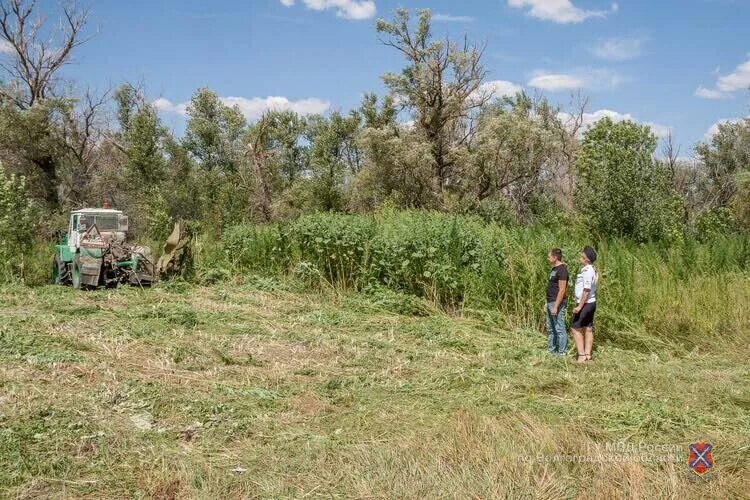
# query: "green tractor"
{"type": "Point", "coordinates": [95, 253]}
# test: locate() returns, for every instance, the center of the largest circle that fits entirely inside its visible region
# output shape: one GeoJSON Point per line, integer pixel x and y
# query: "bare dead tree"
{"type": "Point", "coordinates": [568, 132]}
{"type": "Point", "coordinates": [34, 57]}
{"type": "Point", "coordinates": [258, 156]}
{"type": "Point", "coordinates": [83, 129]}
{"type": "Point", "coordinates": [671, 154]}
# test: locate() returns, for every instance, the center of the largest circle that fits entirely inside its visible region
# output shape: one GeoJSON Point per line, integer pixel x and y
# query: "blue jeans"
{"type": "Point", "coordinates": [557, 335]}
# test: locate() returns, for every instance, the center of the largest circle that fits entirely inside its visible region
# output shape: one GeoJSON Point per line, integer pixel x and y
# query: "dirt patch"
{"type": "Point", "coordinates": [308, 404]}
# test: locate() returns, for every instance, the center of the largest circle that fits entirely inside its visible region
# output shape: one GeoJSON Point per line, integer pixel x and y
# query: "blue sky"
{"type": "Point", "coordinates": [679, 64]}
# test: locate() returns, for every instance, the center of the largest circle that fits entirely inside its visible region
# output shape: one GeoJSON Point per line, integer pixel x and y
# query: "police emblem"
{"type": "Point", "coordinates": [700, 458]}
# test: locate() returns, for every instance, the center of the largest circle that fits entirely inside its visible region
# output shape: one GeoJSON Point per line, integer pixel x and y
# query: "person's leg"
{"type": "Point", "coordinates": [562, 332]}
{"type": "Point", "coordinates": [551, 334]}
{"type": "Point", "coordinates": [588, 341]}
{"type": "Point", "coordinates": [578, 337]}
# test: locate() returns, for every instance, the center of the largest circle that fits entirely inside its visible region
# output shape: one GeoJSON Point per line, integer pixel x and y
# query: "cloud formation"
{"type": "Point", "coordinates": [559, 11]}
{"type": "Point", "coordinates": [726, 85]}
{"type": "Point", "coordinates": [499, 88]}
{"type": "Point", "coordinates": [589, 119]}
{"type": "Point", "coordinates": [348, 9]}
{"type": "Point", "coordinates": [556, 82]}
{"type": "Point", "coordinates": [618, 49]}
{"type": "Point", "coordinates": [714, 129]}
{"type": "Point", "coordinates": [584, 78]}
{"type": "Point", "coordinates": [253, 108]}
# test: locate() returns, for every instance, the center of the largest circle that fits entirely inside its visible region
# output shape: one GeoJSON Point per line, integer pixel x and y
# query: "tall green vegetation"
{"type": "Point", "coordinates": [621, 190]}
{"type": "Point", "coordinates": [461, 261]}
{"type": "Point", "coordinates": [18, 225]}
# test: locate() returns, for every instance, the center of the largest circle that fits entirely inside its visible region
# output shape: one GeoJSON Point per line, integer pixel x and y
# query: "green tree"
{"type": "Point", "coordinates": [724, 158]}
{"type": "Point", "coordinates": [335, 157]}
{"type": "Point", "coordinates": [440, 86]}
{"type": "Point", "coordinates": [397, 164]}
{"type": "Point", "coordinates": [31, 142]}
{"type": "Point", "coordinates": [620, 189]}
{"type": "Point", "coordinates": [214, 132]}
{"type": "Point", "coordinates": [30, 95]}
{"type": "Point", "coordinates": [513, 152]}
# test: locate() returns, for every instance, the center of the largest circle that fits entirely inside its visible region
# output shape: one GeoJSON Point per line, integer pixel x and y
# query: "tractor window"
{"type": "Point", "coordinates": [105, 222]}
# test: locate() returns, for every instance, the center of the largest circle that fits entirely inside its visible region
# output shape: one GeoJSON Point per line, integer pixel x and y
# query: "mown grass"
{"type": "Point", "coordinates": [256, 388]}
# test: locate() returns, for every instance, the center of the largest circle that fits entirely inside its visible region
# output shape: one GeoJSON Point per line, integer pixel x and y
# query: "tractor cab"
{"type": "Point", "coordinates": [105, 224]}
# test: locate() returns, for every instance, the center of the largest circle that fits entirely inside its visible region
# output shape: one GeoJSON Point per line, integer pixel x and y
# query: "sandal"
{"type": "Point", "coordinates": [579, 358]}
{"type": "Point", "coordinates": [588, 357]}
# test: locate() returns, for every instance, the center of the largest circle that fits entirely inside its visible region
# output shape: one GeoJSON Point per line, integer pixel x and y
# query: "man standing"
{"type": "Point", "coordinates": [557, 335]}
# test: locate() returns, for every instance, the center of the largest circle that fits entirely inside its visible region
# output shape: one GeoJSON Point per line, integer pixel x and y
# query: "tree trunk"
{"type": "Point", "coordinates": [49, 180]}
{"type": "Point", "coordinates": [265, 194]}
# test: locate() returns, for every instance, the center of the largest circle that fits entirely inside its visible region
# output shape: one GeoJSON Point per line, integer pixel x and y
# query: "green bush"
{"type": "Point", "coordinates": [19, 219]}
{"type": "Point", "coordinates": [712, 223]}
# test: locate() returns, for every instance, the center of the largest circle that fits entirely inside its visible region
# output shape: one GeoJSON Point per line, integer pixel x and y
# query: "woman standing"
{"type": "Point", "coordinates": [583, 314]}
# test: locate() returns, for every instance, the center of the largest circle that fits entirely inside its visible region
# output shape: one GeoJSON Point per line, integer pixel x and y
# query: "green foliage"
{"type": "Point", "coordinates": [213, 132]}
{"type": "Point", "coordinates": [713, 222]}
{"type": "Point", "coordinates": [461, 261]}
{"type": "Point", "coordinates": [515, 141]}
{"type": "Point", "coordinates": [741, 201]}
{"type": "Point", "coordinates": [621, 190]}
{"type": "Point", "coordinates": [727, 155]}
{"type": "Point", "coordinates": [145, 166]}
{"type": "Point", "coordinates": [33, 139]}
{"type": "Point", "coordinates": [19, 219]}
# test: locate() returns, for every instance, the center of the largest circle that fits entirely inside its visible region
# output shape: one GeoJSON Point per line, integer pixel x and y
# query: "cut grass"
{"type": "Point", "coordinates": [258, 390]}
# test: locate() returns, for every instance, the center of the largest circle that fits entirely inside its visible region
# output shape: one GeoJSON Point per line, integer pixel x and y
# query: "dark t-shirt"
{"type": "Point", "coordinates": [558, 274]}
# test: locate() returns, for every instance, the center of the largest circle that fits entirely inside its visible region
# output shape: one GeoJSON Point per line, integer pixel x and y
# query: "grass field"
{"type": "Point", "coordinates": [259, 389]}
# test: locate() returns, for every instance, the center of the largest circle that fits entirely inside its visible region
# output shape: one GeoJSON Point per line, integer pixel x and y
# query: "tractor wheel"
{"type": "Point", "coordinates": [76, 272]}
{"type": "Point", "coordinates": [60, 271]}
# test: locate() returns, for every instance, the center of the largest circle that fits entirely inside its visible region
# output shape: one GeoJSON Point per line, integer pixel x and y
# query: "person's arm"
{"type": "Point", "coordinates": [584, 298]}
{"type": "Point", "coordinates": [562, 286]}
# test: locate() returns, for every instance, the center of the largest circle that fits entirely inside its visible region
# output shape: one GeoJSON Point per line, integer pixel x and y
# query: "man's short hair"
{"type": "Point", "coordinates": [556, 253]}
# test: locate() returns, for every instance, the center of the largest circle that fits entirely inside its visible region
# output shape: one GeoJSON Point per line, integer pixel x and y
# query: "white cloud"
{"type": "Point", "coordinates": [495, 89]}
{"type": "Point", "coordinates": [659, 130]}
{"type": "Point", "coordinates": [739, 79]}
{"type": "Point", "coordinates": [167, 106]}
{"type": "Point", "coordinates": [618, 49]}
{"type": "Point", "coordinates": [705, 93]}
{"type": "Point", "coordinates": [556, 82]}
{"type": "Point", "coordinates": [714, 129]}
{"type": "Point", "coordinates": [559, 11]}
{"type": "Point", "coordinates": [584, 78]}
{"type": "Point", "coordinates": [447, 18]}
{"type": "Point", "coordinates": [254, 107]}
{"type": "Point", "coordinates": [589, 119]}
{"type": "Point", "coordinates": [349, 9]}
{"type": "Point", "coordinates": [499, 88]}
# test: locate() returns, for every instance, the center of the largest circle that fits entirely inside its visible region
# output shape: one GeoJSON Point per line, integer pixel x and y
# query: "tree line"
{"type": "Point", "coordinates": [439, 139]}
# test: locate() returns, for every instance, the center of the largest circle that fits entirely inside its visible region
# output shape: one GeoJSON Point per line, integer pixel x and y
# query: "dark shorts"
{"type": "Point", "coordinates": [585, 318]}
